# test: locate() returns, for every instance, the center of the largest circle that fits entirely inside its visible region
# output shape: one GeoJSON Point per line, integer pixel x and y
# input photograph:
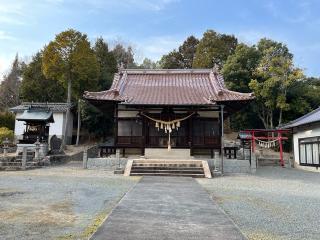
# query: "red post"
{"type": "Point", "coordinates": [281, 152]}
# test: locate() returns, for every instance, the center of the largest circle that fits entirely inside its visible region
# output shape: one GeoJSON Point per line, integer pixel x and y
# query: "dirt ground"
{"type": "Point", "coordinates": [273, 204]}
{"type": "Point", "coordinates": [62, 202]}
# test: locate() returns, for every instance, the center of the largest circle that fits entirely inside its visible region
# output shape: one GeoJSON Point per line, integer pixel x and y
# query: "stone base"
{"type": "Point", "coordinates": [164, 153]}
{"type": "Point", "coordinates": [232, 166]}
{"type": "Point", "coordinates": [106, 163]}
{"type": "Point", "coordinates": [43, 151]}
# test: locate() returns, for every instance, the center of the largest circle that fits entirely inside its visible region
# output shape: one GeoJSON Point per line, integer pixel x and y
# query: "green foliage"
{"type": "Point", "coordinates": [9, 87]}
{"type": "Point", "coordinates": [148, 64]}
{"type": "Point", "coordinates": [107, 64]}
{"type": "Point", "coordinates": [95, 121]}
{"type": "Point", "coordinates": [172, 60]}
{"type": "Point", "coordinates": [70, 60]}
{"type": "Point", "coordinates": [188, 51]}
{"type": "Point", "coordinates": [6, 133]}
{"type": "Point", "coordinates": [240, 67]}
{"type": "Point", "coordinates": [183, 58]}
{"type": "Point", "coordinates": [214, 48]}
{"type": "Point", "coordinates": [275, 75]}
{"type": "Point", "coordinates": [124, 56]}
{"type": "Point", "coordinates": [35, 86]}
{"type": "Point", "coordinates": [7, 120]}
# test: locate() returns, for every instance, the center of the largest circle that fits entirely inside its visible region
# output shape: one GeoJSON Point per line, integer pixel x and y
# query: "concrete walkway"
{"type": "Point", "coordinates": [167, 208]}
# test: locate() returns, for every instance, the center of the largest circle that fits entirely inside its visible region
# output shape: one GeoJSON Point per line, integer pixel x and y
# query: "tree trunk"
{"type": "Point", "coordinates": [79, 123]}
{"type": "Point", "coordinates": [280, 117]}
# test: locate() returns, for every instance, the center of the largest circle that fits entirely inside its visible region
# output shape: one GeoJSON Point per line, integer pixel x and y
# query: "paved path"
{"type": "Point", "coordinates": [165, 208]}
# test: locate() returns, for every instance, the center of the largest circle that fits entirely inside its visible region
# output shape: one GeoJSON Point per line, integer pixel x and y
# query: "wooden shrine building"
{"type": "Point", "coordinates": [169, 108]}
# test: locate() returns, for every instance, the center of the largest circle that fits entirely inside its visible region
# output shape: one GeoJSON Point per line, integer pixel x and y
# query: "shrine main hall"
{"type": "Point", "coordinates": [169, 108]}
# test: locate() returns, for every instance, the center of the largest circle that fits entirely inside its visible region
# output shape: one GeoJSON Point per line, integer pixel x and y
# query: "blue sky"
{"type": "Point", "coordinates": [155, 27]}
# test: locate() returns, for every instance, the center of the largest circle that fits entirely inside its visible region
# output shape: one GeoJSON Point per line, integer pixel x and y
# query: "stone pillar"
{"type": "Point", "coordinates": [24, 158]}
{"type": "Point", "coordinates": [85, 158]}
{"type": "Point", "coordinates": [253, 163]}
{"type": "Point", "coordinates": [37, 149]}
{"type": "Point", "coordinates": [118, 157]}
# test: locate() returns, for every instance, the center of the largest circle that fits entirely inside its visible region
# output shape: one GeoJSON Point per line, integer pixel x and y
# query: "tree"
{"type": "Point", "coordinates": [124, 56]}
{"type": "Point", "coordinates": [172, 60]}
{"type": "Point", "coordinates": [183, 58]}
{"type": "Point", "coordinates": [107, 64]}
{"type": "Point", "coordinates": [240, 67]}
{"type": "Point", "coordinates": [275, 75]}
{"type": "Point", "coordinates": [148, 64]}
{"type": "Point", "coordinates": [214, 48]}
{"type": "Point", "coordinates": [188, 50]}
{"type": "Point", "coordinates": [70, 60]}
{"type": "Point", "coordinates": [7, 120]}
{"type": "Point", "coordinates": [238, 71]}
{"type": "Point", "coordinates": [9, 87]}
{"type": "Point", "coordinates": [303, 96]}
{"type": "Point", "coordinates": [35, 86]}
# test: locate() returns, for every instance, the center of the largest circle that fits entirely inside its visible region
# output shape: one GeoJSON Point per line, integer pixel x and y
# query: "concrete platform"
{"type": "Point", "coordinates": [164, 153]}
{"type": "Point", "coordinates": [160, 208]}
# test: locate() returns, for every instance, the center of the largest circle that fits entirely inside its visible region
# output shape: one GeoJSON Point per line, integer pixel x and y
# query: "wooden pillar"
{"type": "Point", "coordinates": [190, 133]}
{"type": "Point", "coordinates": [115, 127]}
{"type": "Point", "coordinates": [222, 137]}
{"type": "Point", "coordinates": [144, 135]}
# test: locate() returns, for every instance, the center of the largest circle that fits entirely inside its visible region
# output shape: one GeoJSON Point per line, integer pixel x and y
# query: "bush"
{"type": "Point", "coordinates": [6, 133]}
{"type": "Point", "coordinates": [7, 120]}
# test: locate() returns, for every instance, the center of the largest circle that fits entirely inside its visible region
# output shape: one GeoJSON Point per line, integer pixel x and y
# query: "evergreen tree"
{"type": "Point", "coordinates": [35, 86]}
{"type": "Point", "coordinates": [124, 56]}
{"type": "Point", "coordinates": [9, 87]}
{"type": "Point", "coordinates": [107, 64]}
{"type": "Point", "coordinates": [214, 48]}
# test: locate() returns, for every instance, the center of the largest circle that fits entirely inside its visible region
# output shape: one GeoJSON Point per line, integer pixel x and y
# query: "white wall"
{"type": "Point", "coordinates": [19, 127]}
{"type": "Point", "coordinates": [56, 128]}
{"type": "Point", "coordinates": [305, 133]}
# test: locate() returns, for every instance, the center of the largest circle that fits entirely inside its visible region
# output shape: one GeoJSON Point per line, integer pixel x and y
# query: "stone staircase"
{"type": "Point", "coordinates": [167, 167]}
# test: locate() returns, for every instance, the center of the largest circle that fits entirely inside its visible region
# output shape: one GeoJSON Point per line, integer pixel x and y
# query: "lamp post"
{"type": "Point", "coordinates": [5, 147]}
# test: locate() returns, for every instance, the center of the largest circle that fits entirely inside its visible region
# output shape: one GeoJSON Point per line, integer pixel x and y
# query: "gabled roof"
{"type": "Point", "coordinates": [310, 117]}
{"type": "Point", "coordinates": [168, 87]}
{"type": "Point", "coordinates": [37, 115]}
{"type": "Point", "coordinates": [54, 107]}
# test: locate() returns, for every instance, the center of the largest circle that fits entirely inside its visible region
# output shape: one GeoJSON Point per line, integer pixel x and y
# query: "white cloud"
{"type": "Point", "coordinates": [155, 47]}
{"type": "Point", "coordinates": [5, 36]}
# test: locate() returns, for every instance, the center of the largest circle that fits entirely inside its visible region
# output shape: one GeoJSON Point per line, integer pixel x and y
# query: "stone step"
{"type": "Point", "coordinates": [167, 170]}
{"type": "Point", "coordinates": [165, 167]}
{"type": "Point", "coordinates": [170, 174]}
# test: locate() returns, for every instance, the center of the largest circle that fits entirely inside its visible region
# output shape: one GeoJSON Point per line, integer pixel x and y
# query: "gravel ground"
{"type": "Point", "coordinates": [276, 203]}
{"type": "Point", "coordinates": [64, 202]}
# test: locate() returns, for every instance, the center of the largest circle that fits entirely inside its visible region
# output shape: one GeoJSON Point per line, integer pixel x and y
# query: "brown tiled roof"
{"type": "Point", "coordinates": [168, 87]}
